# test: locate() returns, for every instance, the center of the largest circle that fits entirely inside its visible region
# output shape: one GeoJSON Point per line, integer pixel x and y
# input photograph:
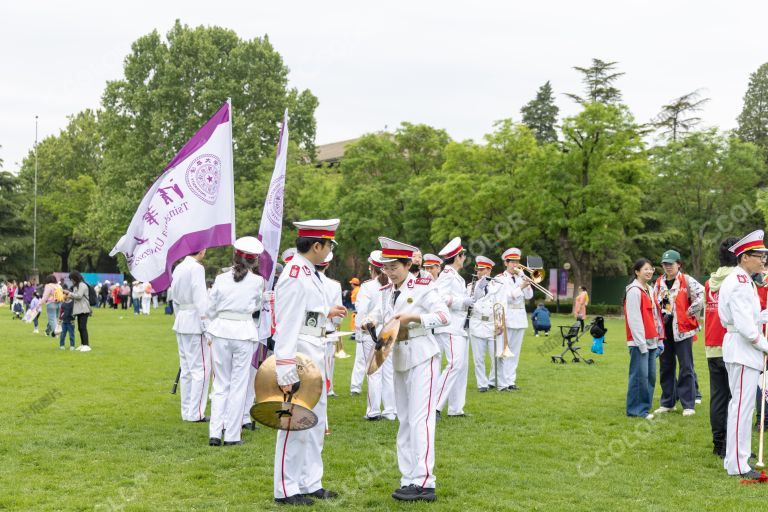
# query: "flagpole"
{"type": "Point", "coordinates": [232, 159]}
{"type": "Point", "coordinates": [34, 216]}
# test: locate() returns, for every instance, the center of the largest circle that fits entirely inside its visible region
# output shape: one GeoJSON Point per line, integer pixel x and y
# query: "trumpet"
{"type": "Point", "coordinates": [536, 276]}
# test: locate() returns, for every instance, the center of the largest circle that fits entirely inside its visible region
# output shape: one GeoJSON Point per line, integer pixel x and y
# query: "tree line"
{"type": "Point", "coordinates": [597, 189]}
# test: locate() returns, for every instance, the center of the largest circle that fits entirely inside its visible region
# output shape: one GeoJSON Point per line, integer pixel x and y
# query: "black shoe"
{"type": "Point", "coordinates": [482, 390]}
{"type": "Point", "coordinates": [491, 386]}
{"type": "Point", "coordinates": [437, 415]}
{"type": "Point", "coordinates": [232, 443]}
{"type": "Point", "coordinates": [513, 388]}
{"type": "Point", "coordinates": [205, 419]}
{"type": "Point", "coordinates": [354, 393]}
{"type": "Point", "coordinates": [374, 418]}
{"type": "Point", "coordinates": [750, 475]}
{"type": "Point", "coordinates": [296, 499]}
{"type": "Point", "coordinates": [462, 415]}
{"type": "Point", "coordinates": [414, 493]}
{"type": "Point", "coordinates": [249, 426]}
{"type": "Point", "coordinates": [322, 494]}
{"type": "Point", "coordinates": [214, 441]}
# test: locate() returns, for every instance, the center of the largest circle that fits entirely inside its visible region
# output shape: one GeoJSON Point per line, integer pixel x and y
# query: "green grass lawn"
{"type": "Point", "coordinates": [100, 431]}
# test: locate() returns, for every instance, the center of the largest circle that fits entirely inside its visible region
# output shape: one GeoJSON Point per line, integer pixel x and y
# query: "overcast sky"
{"type": "Point", "coordinates": [454, 65]}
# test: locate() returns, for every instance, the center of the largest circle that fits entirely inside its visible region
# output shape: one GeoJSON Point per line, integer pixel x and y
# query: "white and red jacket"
{"type": "Point", "coordinates": [507, 291]}
{"type": "Point", "coordinates": [686, 294]}
{"type": "Point", "coordinates": [642, 317]}
{"type": "Point", "coordinates": [739, 310]}
{"type": "Point", "coordinates": [453, 291]}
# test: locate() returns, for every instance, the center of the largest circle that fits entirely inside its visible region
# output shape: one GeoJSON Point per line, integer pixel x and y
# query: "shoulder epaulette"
{"type": "Point", "coordinates": [424, 280]}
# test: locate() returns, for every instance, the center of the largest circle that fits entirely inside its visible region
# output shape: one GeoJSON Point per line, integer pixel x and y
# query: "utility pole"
{"type": "Point", "coordinates": [34, 216]}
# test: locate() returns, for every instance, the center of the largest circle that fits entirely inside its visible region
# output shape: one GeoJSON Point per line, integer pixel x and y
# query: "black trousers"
{"type": "Point", "coordinates": [676, 384]}
{"type": "Point", "coordinates": [720, 395]}
{"type": "Point", "coordinates": [82, 327]}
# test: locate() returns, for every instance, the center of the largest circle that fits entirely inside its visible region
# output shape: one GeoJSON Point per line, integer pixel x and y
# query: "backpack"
{"type": "Point", "coordinates": [58, 293]}
{"type": "Point", "coordinates": [93, 299]}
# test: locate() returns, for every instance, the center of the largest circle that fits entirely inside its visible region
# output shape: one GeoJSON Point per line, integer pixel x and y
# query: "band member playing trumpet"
{"type": "Point", "coordinates": [512, 288]}
{"type": "Point", "coordinates": [452, 386]}
{"type": "Point", "coordinates": [417, 305]}
{"type": "Point", "coordinates": [301, 311]}
{"type": "Point", "coordinates": [481, 323]}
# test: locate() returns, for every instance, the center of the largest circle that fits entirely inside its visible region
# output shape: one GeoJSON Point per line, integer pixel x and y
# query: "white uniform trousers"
{"type": "Point", "coordinates": [330, 350]}
{"type": "Point", "coordinates": [250, 391]}
{"type": "Point", "coordinates": [452, 385]}
{"type": "Point", "coordinates": [381, 390]}
{"type": "Point", "coordinates": [508, 367]}
{"type": "Point", "coordinates": [481, 347]}
{"type": "Point", "coordinates": [298, 454]}
{"type": "Point", "coordinates": [145, 302]}
{"type": "Point", "coordinates": [360, 368]}
{"type": "Point", "coordinates": [415, 399]}
{"type": "Point", "coordinates": [195, 364]}
{"type": "Point", "coordinates": [743, 383]}
{"type": "Point", "coordinates": [231, 359]}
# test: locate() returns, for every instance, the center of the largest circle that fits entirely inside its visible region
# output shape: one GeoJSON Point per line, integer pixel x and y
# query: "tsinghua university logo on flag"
{"type": "Point", "coordinates": [203, 176]}
{"type": "Point", "coordinates": [274, 207]}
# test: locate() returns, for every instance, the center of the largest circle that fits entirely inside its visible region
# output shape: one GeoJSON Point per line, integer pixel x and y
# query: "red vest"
{"type": "Point", "coordinates": [762, 293]}
{"type": "Point", "coordinates": [649, 322]}
{"type": "Point", "coordinates": [685, 323]}
{"type": "Point", "coordinates": [714, 332]}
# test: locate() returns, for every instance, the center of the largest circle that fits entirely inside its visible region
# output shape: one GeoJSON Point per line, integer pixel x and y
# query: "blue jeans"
{"type": "Point", "coordinates": [642, 381]}
{"type": "Point", "coordinates": [52, 310]}
{"type": "Point", "coordinates": [136, 306]}
{"type": "Point", "coordinates": [67, 327]}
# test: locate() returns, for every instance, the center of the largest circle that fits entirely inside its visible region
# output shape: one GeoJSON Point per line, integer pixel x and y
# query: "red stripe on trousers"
{"type": "Point", "coordinates": [448, 372]}
{"type": "Point", "coordinates": [738, 419]}
{"type": "Point", "coordinates": [282, 465]}
{"type": "Point", "coordinates": [429, 411]}
{"type": "Point", "coordinates": [202, 391]}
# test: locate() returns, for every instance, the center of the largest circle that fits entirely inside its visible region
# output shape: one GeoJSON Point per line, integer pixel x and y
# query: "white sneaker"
{"type": "Point", "coordinates": [650, 416]}
{"type": "Point", "coordinates": [662, 410]}
{"type": "Point", "coordinates": [72, 348]}
{"type": "Point", "coordinates": [85, 348]}
{"type": "Point", "coordinates": [689, 412]}
{"type": "Point", "coordinates": [35, 332]}
{"type": "Point", "coordinates": [61, 347]}
{"type": "Point", "coordinates": [698, 401]}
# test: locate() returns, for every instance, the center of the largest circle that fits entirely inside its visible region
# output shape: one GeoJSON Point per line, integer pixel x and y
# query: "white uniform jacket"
{"type": "Point", "coordinates": [453, 291]}
{"type": "Point", "coordinates": [190, 296]}
{"type": "Point", "coordinates": [233, 304]}
{"type": "Point", "coordinates": [333, 294]}
{"type": "Point", "coordinates": [481, 321]}
{"type": "Point", "coordinates": [367, 306]}
{"type": "Point", "coordinates": [739, 310]}
{"type": "Point", "coordinates": [301, 310]}
{"type": "Point", "coordinates": [506, 289]}
{"type": "Point", "coordinates": [420, 297]}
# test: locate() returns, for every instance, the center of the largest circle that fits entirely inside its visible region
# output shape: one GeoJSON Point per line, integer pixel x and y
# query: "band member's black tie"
{"type": "Point", "coordinates": [396, 295]}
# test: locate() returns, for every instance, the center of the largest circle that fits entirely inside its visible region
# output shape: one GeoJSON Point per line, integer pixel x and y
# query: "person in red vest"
{"type": "Point", "coordinates": [645, 334]}
{"type": "Point", "coordinates": [681, 298]}
{"type": "Point", "coordinates": [714, 332]}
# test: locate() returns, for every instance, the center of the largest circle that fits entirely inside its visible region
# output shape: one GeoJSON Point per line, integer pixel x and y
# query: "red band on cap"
{"type": "Point", "coordinates": [431, 262]}
{"type": "Point", "coordinates": [749, 246]}
{"type": "Point", "coordinates": [317, 233]}
{"type": "Point", "coordinates": [484, 265]}
{"type": "Point", "coordinates": [248, 255]}
{"type": "Point", "coordinates": [396, 253]}
{"type": "Point", "coordinates": [375, 263]}
{"type": "Point", "coordinates": [453, 252]}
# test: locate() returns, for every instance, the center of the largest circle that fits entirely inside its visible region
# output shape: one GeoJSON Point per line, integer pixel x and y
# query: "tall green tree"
{"type": "Point", "coordinates": [540, 115]}
{"type": "Point", "coordinates": [171, 86]}
{"type": "Point", "coordinates": [753, 120]}
{"type": "Point", "coordinates": [15, 231]}
{"type": "Point", "coordinates": [676, 118]}
{"type": "Point", "coordinates": [598, 80]}
{"type": "Point", "coordinates": [705, 185]}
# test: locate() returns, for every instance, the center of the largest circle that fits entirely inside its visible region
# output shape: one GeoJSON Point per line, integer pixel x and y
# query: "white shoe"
{"type": "Point", "coordinates": [689, 412]}
{"type": "Point", "coordinates": [662, 410]}
{"type": "Point", "coordinates": [535, 335]}
{"type": "Point", "coordinates": [650, 416]}
{"type": "Point", "coordinates": [35, 332]}
{"type": "Point", "coordinates": [72, 348]}
{"type": "Point", "coordinates": [85, 348]}
{"type": "Point", "coordinates": [698, 401]}
{"type": "Point", "coordinates": [61, 347]}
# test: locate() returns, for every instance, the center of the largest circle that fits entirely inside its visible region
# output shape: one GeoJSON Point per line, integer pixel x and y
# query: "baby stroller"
{"type": "Point", "coordinates": [570, 335]}
{"type": "Point", "coordinates": [17, 309]}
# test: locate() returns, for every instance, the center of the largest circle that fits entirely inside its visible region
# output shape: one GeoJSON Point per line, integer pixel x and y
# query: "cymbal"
{"type": "Point", "coordinates": [282, 411]}
{"type": "Point", "coordinates": [386, 339]}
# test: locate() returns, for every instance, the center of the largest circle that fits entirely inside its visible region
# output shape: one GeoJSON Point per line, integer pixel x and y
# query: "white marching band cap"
{"type": "Point", "coordinates": [375, 259]}
{"type": "Point", "coordinates": [327, 260]}
{"type": "Point", "coordinates": [392, 250]}
{"type": "Point", "coordinates": [318, 228]}
{"type": "Point", "coordinates": [513, 253]}
{"type": "Point", "coordinates": [248, 246]}
{"type": "Point", "coordinates": [288, 254]}
{"type": "Point", "coordinates": [430, 260]}
{"type": "Point", "coordinates": [751, 242]}
{"type": "Point", "coordinates": [452, 249]}
{"type": "Point", "coordinates": [483, 262]}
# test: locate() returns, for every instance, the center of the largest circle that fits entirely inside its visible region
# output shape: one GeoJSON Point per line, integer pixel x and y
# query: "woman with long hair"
{"type": "Point", "coordinates": [645, 334]}
{"type": "Point", "coordinates": [81, 309]}
{"type": "Point", "coordinates": [235, 295]}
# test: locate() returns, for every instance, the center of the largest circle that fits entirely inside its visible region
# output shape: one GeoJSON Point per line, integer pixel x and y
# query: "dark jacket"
{"type": "Point", "coordinates": [540, 317]}
{"type": "Point", "coordinates": [66, 311]}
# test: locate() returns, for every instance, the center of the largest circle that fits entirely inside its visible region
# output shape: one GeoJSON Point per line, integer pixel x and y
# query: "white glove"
{"type": "Point", "coordinates": [763, 318]}
{"type": "Point", "coordinates": [204, 323]}
{"type": "Point", "coordinates": [268, 296]}
{"type": "Point", "coordinates": [467, 301]}
{"type": "Point", "coordinates": [761, 344]}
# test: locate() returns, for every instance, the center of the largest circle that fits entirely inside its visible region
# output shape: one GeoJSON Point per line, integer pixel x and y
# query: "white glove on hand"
{"type": "Point", "coordinates": [204, 323]}
{"type": "Point", "coordinates": [761, 344]}
{"type": "Point", "coordinates": [763, 318]}
{"type": "Point", "coordinates": [467, 301]}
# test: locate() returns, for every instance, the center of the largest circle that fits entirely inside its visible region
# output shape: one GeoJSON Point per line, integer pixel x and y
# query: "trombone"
{"type": "Point", "coordinates": [500, 328]}
{"type": "Point", "coordinates": [536, 276]}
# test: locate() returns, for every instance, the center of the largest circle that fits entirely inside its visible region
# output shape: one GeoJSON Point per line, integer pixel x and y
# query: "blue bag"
{"type": "Point", "coordinates": [597, 345]}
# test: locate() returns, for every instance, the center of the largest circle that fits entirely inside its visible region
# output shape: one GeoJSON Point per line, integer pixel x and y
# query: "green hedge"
{"type": "Point", "coordinates": [592, 309]}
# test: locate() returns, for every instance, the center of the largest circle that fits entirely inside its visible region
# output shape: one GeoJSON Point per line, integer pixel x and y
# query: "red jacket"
{"type": "Point", "coordinates": [714, 332]}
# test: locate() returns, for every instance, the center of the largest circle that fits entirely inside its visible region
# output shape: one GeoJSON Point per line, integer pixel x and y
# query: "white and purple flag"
{"type": "Point", "coordinates": [272, 223]}
{"type": "Point", "coordinates": [190, 207]}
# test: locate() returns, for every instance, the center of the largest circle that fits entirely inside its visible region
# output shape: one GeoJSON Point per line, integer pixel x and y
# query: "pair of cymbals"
{"type": "Point", "coordinates": [385, 342]}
